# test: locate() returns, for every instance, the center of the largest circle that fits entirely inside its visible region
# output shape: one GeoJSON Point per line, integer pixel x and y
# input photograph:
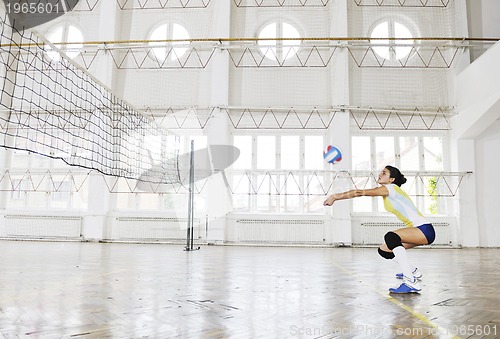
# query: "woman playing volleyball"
{"type": "Point", "coordinates": [418, 230]}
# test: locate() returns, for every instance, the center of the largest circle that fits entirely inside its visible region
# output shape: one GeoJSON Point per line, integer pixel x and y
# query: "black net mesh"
{"type": "Point", "coordinates": [52, 107]}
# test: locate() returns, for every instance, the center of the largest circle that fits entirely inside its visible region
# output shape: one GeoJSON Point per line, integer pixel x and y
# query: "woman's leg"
{"type": "Point", "coordinates": [410, 237]}
{"type": "Point", "coordinates": [397, 242]}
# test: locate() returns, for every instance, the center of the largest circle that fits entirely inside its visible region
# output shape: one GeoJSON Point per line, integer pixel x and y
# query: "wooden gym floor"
{"type": "Point", "coordinates": [98, 290]}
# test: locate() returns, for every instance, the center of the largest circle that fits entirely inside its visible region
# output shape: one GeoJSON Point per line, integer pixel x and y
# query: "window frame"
{"type": "Point", "coordinates": [165, 202]}
{"type": "Point", "coordinates": [168, 59]}
{"type": "Point", "coordinates": [408, 23]}
{"type": "Point", "coordinates": [59, 192]}
{"type": "Point", "coordinates": [278, 46]}
{"type": "Point", "coordinates": [280, 203]}
{"type": "Point", "coordinates": [63, 45]}
{"type": "Point", "coordinates": [376, 206]}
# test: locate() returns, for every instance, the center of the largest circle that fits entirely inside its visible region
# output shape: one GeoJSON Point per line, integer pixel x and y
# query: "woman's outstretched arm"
{"type": "Point", "coordinates": [381, 191]}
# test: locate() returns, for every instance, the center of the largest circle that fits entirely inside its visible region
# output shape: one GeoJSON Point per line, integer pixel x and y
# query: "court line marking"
{"type": "Point", "coordinates": [407, 308]}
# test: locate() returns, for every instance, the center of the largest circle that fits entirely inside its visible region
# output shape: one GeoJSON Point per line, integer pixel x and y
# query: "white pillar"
{"type": "Point", "coordinates": [217, 130]}
{"type": "Point", "coordinates": [101, 201]}
{"type": "Point", "coordinates": [95, 221]}
{"type": "Point", "coordinates": [341, 228]}
{"type": "Point", "coordinates": [339, 231]}
{"type": "Point", "coordinates": [109, 27]}
{"type": "Point", "coordinates": [468, 218]}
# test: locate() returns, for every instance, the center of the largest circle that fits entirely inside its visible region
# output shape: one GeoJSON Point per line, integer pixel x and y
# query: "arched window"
{"type": "Point", "coordinates": [392, 49]}
{"type": "Point", "coordinates": [169, 31]}
{"type": "Point", "coordinates": [279, 49]}
{"type": "Point", "coordinates": [67, 38]}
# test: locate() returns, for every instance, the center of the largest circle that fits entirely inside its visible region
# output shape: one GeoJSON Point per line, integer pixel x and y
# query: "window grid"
{"type": "Point", "coordinates": [163, 51]}
{"type": "Point", "coordinates": [288, 202]}
{"type": "Point", "coordinates": [425, 201]}
{"type": "Point", "coordinates": [54, 193]}
{"type": "Point", "coordinates": [65, 33]}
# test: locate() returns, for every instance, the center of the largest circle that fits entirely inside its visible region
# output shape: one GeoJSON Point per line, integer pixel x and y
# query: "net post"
{"type": "Point", "coordinates": [190, 231]}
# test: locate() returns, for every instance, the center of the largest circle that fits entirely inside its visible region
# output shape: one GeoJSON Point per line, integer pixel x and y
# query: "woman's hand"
{"type": "Point", "coordinates": [329, 201]}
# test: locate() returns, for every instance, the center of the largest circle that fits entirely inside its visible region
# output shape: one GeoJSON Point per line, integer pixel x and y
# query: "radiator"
{"type": "Point", "coordinates": [144, 228]}
{"type": "Point", "coordinates": [293, 231]}
{"type": "Point", "coordinates": [39, 227]}
{"type": "Point", "coordinates": [372, 233]}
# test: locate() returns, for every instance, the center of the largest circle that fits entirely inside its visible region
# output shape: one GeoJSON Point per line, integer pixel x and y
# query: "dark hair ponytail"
{"type": "Point", "coordinates": [399, 178]}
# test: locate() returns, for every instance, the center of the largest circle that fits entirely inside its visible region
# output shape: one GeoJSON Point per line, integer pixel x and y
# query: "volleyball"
{"type": "Point", "coordinates": [332, 154]}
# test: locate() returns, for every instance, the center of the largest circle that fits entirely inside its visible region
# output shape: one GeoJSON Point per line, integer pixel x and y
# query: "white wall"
{"type": "Point", "coordinates": [476, 135]}
{"type": "Point", "coordinates": [484, 22]}
{"type": "Point", "coordinates": [487, 148]}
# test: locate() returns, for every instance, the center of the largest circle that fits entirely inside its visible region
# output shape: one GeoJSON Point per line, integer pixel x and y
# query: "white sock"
{"type": "Point", "coordinates": [394, 260]}
{"type": "Point", "coordinates": [402, 259]}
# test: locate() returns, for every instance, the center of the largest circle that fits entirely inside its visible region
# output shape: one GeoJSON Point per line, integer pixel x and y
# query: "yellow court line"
{"type": "Point", "coordinates": [407, 308]}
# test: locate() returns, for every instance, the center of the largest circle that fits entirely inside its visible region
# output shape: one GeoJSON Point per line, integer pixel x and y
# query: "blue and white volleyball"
{"type": "Point", "coordinates": [332, 154]}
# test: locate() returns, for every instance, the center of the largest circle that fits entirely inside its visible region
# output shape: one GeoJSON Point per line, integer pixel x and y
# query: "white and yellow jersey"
{"type": "Point", "coordinates": [400, 204]}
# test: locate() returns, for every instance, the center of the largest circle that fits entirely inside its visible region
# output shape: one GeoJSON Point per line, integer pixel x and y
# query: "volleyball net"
{"type": "Point", "coordinates": [52, 107]}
